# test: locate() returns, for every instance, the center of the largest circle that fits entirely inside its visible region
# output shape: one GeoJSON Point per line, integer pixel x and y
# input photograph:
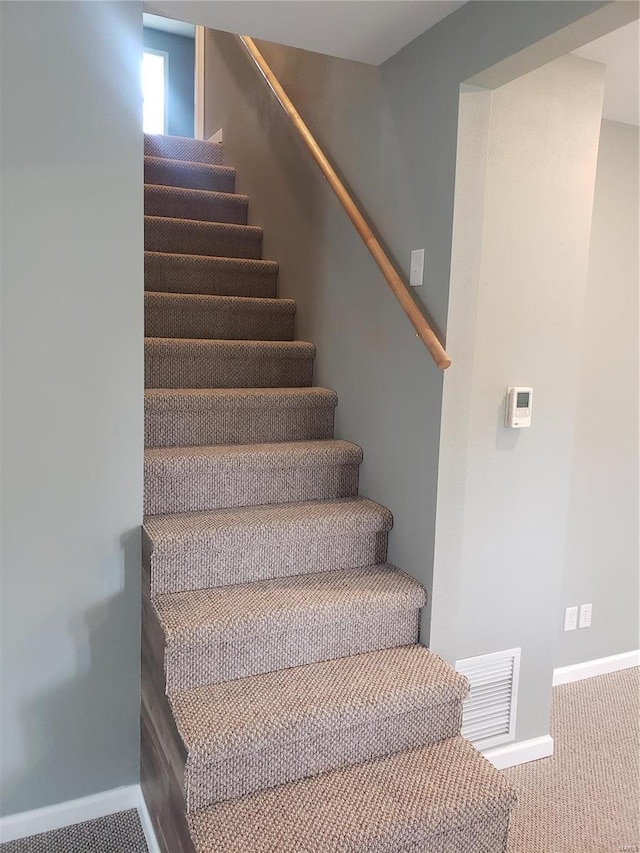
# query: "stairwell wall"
{"type": "Point", "coordinates": [72, 398]}
{"type": "Point", "coordinates": [391, 132]}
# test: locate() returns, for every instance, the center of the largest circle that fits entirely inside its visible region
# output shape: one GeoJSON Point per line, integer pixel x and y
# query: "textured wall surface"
{"type": "Point", "coordinates": [72, 392]}
{"type": "Point", "coordinates": [601, 561]}
{"type": "Point", "coordinates": [391, 132]}
{"type": "Point", "coordinates": [525, 187]}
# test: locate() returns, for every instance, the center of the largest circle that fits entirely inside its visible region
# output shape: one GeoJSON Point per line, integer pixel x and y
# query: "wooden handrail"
{"type": "Point", "coordinates": [395, 282]}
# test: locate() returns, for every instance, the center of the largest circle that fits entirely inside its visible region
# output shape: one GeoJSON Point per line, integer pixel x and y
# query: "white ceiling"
{"type": "Point", "coordinates": [620, 52]}
{"type": "Point", "coordinates": [364, 30]}
{"type": "Point", "coordinates": [168, 25]}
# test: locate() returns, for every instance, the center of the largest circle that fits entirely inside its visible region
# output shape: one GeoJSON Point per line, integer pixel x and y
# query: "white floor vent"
{"type": "Point", "coordinates": [489, 714]}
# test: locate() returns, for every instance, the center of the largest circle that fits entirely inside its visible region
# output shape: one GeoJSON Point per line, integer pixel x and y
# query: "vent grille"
{"type": "Point", "coordinates": [489, 713]}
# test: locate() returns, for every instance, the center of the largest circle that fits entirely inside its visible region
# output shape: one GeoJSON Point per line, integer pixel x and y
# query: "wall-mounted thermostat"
{"type": "Point", "coordinates": [517, 412]}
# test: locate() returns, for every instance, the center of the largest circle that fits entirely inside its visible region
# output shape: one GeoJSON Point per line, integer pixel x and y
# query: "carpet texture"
{"type": "Point", "coordinates": [192, 417]}
{"type": "Point", "coordinates": [255, 733]}
{"type": "Point", "coordinates": [194, 237]}
{"type": "Point", "coordinates": [286, 704]}
{"type": "Point", "coordinates": [229, 632]}
{"type": "Point", "coordinates": [183, 148]}
{"type": "Point", "coordinates": [117, 833]}
{"type": "Point", "coordinates": [182, 363]}
{"type": "Point", "coordinates": [187, 479]}
{"type": "Point", "coordinates": [586, 797]}
{"type": "Point", "coordinates": [181, 315]}
{"type": "Point", "coordinates": [200, 274]}
{"type": "Point", "coordinates": [443, 797]}
{"type": "Point", "coordinates": [206, 205]}
{"type": "Point", "coordinates": [195, 176]}
{"type": "Point", "coordinates": [237, 545]}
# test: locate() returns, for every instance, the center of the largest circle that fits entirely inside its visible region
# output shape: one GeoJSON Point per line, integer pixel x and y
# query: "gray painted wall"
{"type": "Point", "coordinates": [392, 134]}
{"type": "Point", "coordinates": [601, 560]}
{"type": "Point", "coordinates": [72, 391]}
{"type": "Point", "coordinates": [524, 197]}
{"type": "Point", "coordinates": [180, 103]}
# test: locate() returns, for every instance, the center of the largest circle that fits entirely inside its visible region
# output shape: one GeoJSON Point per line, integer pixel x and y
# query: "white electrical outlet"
{"type": "Point", "coordinates": [585, 616]}
{"type": "Point", "coordinates": [571, 618]}
{"type": "Point", "coordinates": [416, 275]}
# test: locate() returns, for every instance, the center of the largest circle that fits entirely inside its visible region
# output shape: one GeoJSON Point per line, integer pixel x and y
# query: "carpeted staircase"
{"type": "Point", "coordinates": [287, 707]}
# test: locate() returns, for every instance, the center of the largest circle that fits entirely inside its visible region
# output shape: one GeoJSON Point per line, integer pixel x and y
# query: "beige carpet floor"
{"type": "Point", "coordinates": [117, 833]}
{"type": "Point", "coordinates": [586, 798]}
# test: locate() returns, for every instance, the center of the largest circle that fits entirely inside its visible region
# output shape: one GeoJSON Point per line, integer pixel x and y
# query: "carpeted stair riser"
{"type": "Point", "coordinates": [198, 427]}
{"type": "Point", "coordinates": [255, 733]}
{"type": "Point", "coordinates": [247, 544]}
{"type": "Point", "coordinates": [216, 635]}
{"type": "Point", "coordinates": [181, 363]}
{"type": "Point", "coordinates": [202, 661]}
{"type": "Point", "coordinates": [194, 176]}
{"type": "Point", "coordinates": [196, 417]}
{"type": "Point", "coordinates": [177, 315]}
{"type": "Point", "coordinates": [190, 274]}
{"type": "Point", "coordinates": [182, 203]}
{"type": "Point", "coordinates": [442, 798]}
{"type": "Point", "coordinates": [254, 771]}
{"type": "Point", "coordinates": [195, 479]}
{"type": "Point", "coordinates": [192, 237]}
{"type": "Point", "coordinates": [183, 148]}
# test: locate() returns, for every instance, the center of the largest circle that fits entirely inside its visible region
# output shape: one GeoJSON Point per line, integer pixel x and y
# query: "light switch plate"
{"type": "Point", "coordinates": [417, 268]}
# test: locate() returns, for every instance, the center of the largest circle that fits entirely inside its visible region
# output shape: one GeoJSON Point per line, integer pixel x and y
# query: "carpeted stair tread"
{"type": "Point", "coordinates": [183, 148]}
{"type": "Point", "coordinates": [222, 633]}
{"type": "Point", "coordinates": [443, 797]}
{"type": "Point", "coordinates": [295, 520]}
{"type": "Point", "coordinates": [303, 598]}
{"type": "Point", "coordinates": [182, 315]}
{"type": "Point", "coordinates": [217, 720]}
{"type": "Point", "coordinates": [194, 550]}
{"type": "Point", "coordinates": [203, 416]}
{"type": "Point", "coordinates": [259, 732]}
{"type": "Point", "coordinates": [194, 237]}
{"type": "Point", "coordinates": [263, 456]}
{"type": "Point", "coordinates": [186, 363]}
{"type": "Point", "coordinates": [182, 173]}
{"type": "Point", "coordinates": [205, 205]}
{"type": "Point", "coordinates": [184, 273]}
{"type": "Point", "coordinates": [184, 479]}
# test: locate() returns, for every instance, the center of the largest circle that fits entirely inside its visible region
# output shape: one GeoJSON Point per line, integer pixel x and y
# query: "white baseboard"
{"type": "Point", "coordinates": [512, 754]}
{"type": "Point", "coordinates": [599, 666]}
{"type": "Point", "coordinates": [60, 815]}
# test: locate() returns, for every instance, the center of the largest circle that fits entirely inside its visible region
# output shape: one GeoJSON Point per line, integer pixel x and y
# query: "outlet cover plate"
{"type": "Point", "coordinates": [571, 618]}
{"type": "Point", "coordinates": [585, 616]}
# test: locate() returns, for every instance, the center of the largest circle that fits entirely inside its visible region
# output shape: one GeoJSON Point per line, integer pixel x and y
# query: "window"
{"type": "Point", "coordinates": [154, 91]}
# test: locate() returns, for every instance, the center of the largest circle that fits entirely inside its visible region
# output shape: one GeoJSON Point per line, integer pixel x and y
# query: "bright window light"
{"type": "Point", "coordinates": [154, 83]}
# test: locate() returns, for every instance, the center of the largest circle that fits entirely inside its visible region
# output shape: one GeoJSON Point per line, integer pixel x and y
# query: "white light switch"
{"type": "Point", "coordinates": [417, 268]}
